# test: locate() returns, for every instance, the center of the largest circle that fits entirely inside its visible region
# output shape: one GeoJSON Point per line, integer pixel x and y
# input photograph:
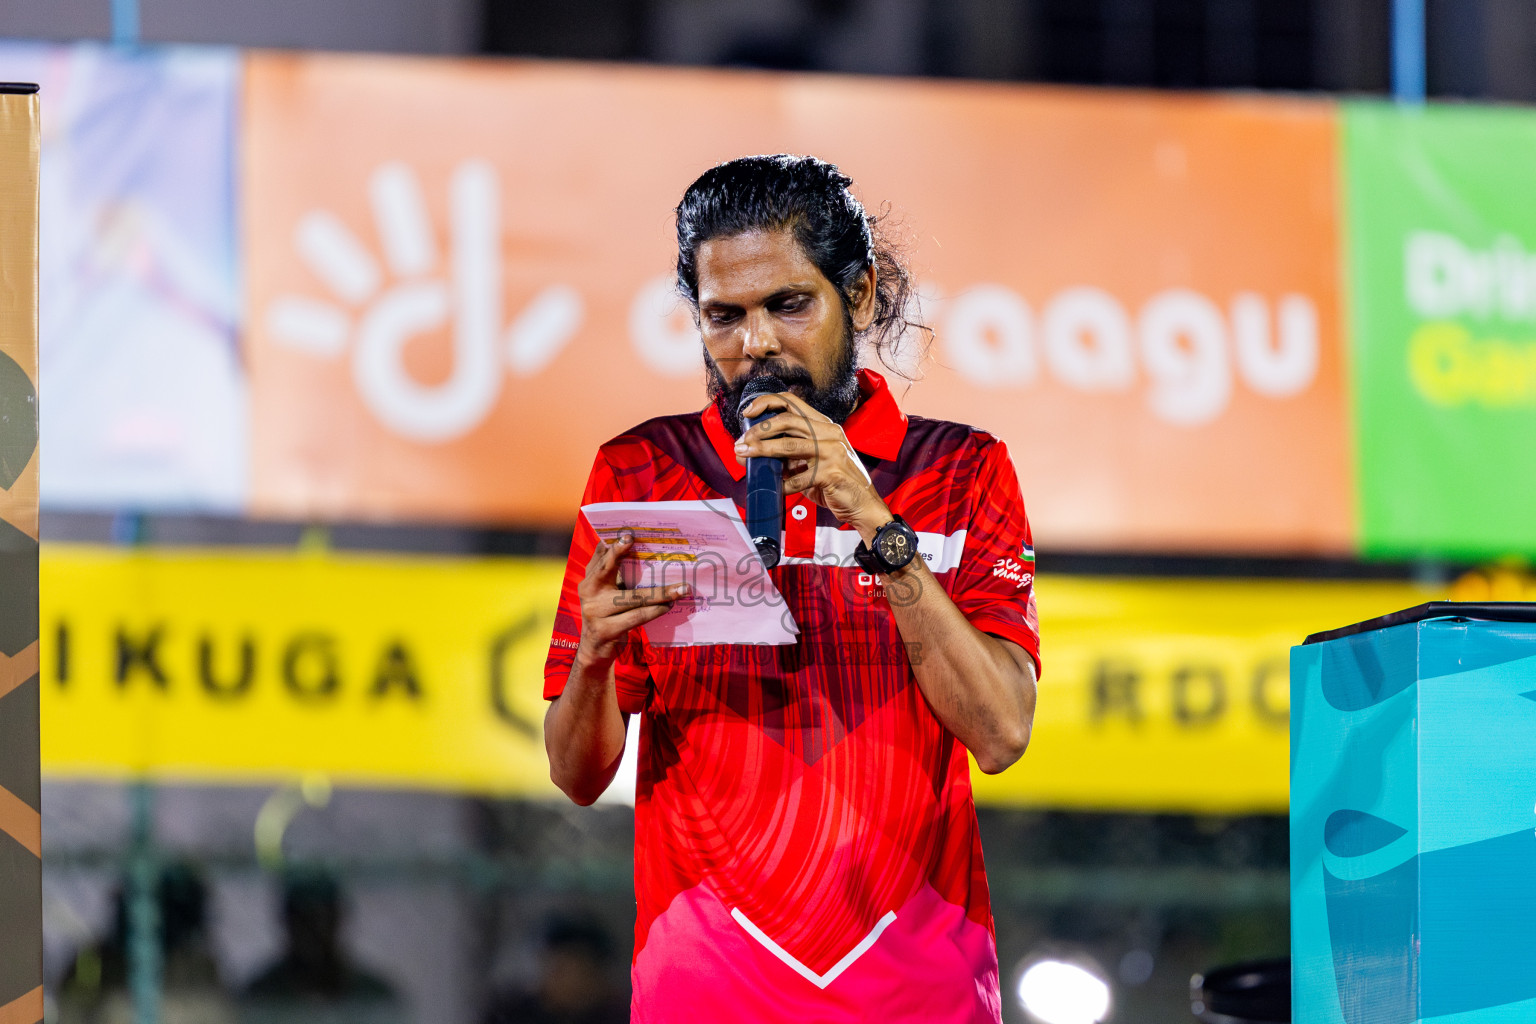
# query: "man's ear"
{"type": "Point", "coordinates": [861, 300]}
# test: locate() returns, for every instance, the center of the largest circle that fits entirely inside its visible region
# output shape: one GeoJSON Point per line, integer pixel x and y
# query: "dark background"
{"type": "Point", "coordinates": [1483, 49]}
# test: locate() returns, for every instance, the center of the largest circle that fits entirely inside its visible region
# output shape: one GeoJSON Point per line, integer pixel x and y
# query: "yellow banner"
{"type": "Point", "coordinates": [1158, 694]}
{"type": "Point", "coordinates": [1173, 694]}
{"type": "Point", "coordinates": [251, 666]}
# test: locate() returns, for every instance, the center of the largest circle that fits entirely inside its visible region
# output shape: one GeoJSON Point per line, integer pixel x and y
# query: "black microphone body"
{"type": "Point", "coordinates": [765, 481]}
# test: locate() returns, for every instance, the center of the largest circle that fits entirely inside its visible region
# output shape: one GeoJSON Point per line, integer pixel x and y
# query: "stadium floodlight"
{"type": "Point", "coordinates": [1053, 990]}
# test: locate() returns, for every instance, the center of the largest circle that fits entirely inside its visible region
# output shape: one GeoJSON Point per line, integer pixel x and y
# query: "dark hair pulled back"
{"type": "Point", "coordinates": [811, 198]}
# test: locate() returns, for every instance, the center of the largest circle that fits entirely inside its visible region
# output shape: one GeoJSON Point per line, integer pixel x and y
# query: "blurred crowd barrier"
{"type": "Point", "coordinates": [328, 286]}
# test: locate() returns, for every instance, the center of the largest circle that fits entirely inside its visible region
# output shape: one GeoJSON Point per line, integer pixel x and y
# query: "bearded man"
{"type": "Point", "coordinates": [806, 841]}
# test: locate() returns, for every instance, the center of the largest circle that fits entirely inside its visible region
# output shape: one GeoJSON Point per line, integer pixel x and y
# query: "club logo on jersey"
{"type": "Point", "coordinates": [872, 584]}
{"type": "Point", "coordinates": [1020, 574]}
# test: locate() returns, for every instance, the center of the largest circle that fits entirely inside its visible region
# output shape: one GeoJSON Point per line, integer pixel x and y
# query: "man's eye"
{"type": "Point", "coordinates": [793, 305]}
{"type": "Point", "coordinates": [721, 318]}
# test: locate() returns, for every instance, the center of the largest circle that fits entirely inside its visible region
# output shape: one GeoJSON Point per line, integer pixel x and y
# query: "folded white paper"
{"type": "Point", "coordinates": [705, 545]}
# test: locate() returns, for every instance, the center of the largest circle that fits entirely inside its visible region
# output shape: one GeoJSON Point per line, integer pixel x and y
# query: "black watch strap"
{"type": "Point", "coordinates": [866, 559]}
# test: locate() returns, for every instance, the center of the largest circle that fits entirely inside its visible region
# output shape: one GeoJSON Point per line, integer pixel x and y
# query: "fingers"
{"type": "Point", "coordinates": [761, 404]}
{"type": "Point", "coordinates": [610, 615]}
{"type": "Point", "coordinates": [799, 478]}
{"type": "Point", "coordinates": [786, 422]}
{"type": "Point", "coordinates": [785, 401]}
{"type": "Point", "coordinates": [622, 624]}
{"type": "Point", "coordinates": [778, 448]}
{"type": "Point", "coordinates": [603, 567]}
{"type": "Point", "coordinates": [763, 439]}
{"type": "Point", "coordinates": [782, 425]}
{"type": "Point", "coordinates": [612, 603]}
{"type": "Point", "coordinates": [606, 555]}
{"type": "Point", "coordinates": [644, 595]}
{"type": "Point", "coordinates": [609, 612]}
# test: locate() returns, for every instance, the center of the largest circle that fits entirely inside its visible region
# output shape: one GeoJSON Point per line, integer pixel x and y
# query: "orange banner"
{"type": "Point", "coordinates": [459, 280]}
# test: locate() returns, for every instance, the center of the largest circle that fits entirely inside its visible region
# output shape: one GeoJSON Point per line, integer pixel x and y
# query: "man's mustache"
{"type": "Point", "coordinates": [790, 376]}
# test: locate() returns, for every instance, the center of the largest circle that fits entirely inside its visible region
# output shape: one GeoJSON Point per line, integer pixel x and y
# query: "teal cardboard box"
{"type": "Point", "coordinates": [1413, 820]}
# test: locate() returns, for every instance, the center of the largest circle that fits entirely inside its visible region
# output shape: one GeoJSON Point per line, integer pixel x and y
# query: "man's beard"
{"type": "Point", "coordinates": [836, 401]}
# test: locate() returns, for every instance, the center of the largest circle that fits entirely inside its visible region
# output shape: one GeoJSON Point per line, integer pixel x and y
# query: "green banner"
{"type": "Point", "coordinates": [1442, 261]}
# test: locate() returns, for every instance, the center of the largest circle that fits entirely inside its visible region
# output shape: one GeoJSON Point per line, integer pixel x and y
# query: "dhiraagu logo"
{"type": "Point", "coordinates": [375, 311]}
{"type": "Point", "coordinates": [1187, 352]}
{"type": "Point", "coordinates": [1476, 343]}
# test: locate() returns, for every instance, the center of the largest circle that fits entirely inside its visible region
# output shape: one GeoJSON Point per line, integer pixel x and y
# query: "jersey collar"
{"type": "Point", "coordinates": [877, 427]}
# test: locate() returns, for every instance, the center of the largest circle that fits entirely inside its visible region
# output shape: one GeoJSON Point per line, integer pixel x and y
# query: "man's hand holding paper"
{"type": "Point", "coordinates": [703, 546]}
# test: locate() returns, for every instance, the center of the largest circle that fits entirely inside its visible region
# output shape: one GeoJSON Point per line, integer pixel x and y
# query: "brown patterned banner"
{"type": "Point", "coordinates": [21, 924]}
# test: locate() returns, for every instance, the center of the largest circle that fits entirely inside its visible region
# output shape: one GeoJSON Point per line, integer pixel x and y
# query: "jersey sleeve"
{"type": "Point", "coordinates": [632, 676]}
{"type": "Point", "coordinates": [995, 584]}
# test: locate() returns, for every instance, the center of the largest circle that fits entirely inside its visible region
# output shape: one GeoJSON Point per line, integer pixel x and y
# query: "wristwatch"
{"type": "Point", "coordinates": [895, 545]}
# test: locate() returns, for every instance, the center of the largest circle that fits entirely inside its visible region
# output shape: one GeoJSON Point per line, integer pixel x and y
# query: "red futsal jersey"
{"type": "Point", "coordinates": [806, 845]}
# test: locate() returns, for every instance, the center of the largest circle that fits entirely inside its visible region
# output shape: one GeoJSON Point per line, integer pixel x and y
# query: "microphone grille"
{"type": "Point", "coordinates": [765, 385]}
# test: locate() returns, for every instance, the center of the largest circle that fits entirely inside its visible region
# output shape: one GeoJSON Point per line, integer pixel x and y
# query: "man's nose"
{"type": "Point", "coordinates": [759, 341]}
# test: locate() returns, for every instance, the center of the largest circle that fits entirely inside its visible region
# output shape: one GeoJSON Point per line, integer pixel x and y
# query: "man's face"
{"type": "Point", "coordinates": [766, 310]}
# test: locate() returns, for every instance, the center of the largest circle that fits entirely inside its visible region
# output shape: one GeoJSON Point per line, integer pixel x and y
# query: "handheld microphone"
{"type": "Point", "coordinates": [765, 481]}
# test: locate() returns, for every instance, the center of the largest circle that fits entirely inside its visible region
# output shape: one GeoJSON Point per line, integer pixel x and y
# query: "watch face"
{"type": "Point", "coordinates": [895, 547]}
